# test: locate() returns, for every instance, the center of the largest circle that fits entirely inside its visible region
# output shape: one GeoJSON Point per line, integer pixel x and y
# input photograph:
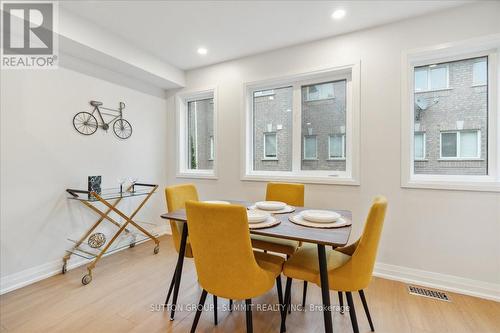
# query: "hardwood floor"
{"type": "Point", "coordinates": [127, 286]}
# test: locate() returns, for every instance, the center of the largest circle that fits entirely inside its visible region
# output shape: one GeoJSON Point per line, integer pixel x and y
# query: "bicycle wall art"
{"type": "Point", "coordinates": [87, 123]}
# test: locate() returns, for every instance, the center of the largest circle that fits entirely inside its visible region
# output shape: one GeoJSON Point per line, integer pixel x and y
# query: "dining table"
{"type": "Point", "coordinates": [322, 237]}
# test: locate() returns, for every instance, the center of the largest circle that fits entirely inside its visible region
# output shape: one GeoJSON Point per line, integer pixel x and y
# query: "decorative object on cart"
{"type": "Point", "coordinates": [123, 237]}
{"type": "Point", "coordinates": [96, 240]}
{"type": "Point", "coordinates": [86, 123]}
{"type": "Point", "coordinates": [132, 181]}
{"type": "Point", "coordinates": [121, 181]}
{"type": "Point", "coordinates": [94, 184]}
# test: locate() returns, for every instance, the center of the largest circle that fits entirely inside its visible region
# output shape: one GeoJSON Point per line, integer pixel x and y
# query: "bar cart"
{"type": "Point", "coordinates": [96, 245]}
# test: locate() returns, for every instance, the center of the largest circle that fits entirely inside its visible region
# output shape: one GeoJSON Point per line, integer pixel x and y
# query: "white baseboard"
{"type": "Point", "coordinates": [490, 291]}
{"type": "Point", "coordinates": [31, 275]}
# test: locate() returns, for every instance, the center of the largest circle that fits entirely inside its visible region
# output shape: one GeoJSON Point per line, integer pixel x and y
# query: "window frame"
{"type": "Point", "coordinates": [349, 71]}
{"type": "Point", "coordinates": [330, 158]}
{"type": "Point", "coordinates": [488, 46]}
{"type": "Point", "coordinates": [315, 158]}
{"type": "Point", "coordinates": [181, 100]}
{"type": "Point", "coordinates": [458, 142]}
{"type": "Point", "coordinates": [270, 158]}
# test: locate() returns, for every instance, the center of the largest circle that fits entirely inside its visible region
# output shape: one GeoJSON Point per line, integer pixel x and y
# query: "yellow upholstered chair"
{"type": "Point", "coordinates": [176, 197]}
{"type": "Point", "coordinates": [291, 194]}
{"type": "Point", "coordinates": [349, 269]}
{"type": "Point", "coordinates": [225, 262]}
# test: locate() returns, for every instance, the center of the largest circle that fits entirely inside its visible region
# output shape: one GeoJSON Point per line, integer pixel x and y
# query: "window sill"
{"type": "Point", "coordinates": [310, 159]}
{"type": "Point", "coordinates": [269, 159]}
{"type": "Point", "coordinates": [432, 90]}
{"type": "Point", "coordinates": [479, 85]}
{"type": "Point", "coordinates": [336, 159]}
{"type": "Point", "coordinates": [457, 183]}
{"type": "Point", "coordinates": [306, 179]}
{"type": "Point", "coordinates": [472, 159]}
{"type": "Point", "coordinates": [198, 174]}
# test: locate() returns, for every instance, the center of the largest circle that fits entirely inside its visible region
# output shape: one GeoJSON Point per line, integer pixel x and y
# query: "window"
{"type": "Point", "coordinates": [310, 147]}
{"type": "Point", "coordinates": [307, 132]}
{"type": "Point", "coordinates": [319, 91]}
{"type": "Point", "coordinates": [270, 146]}
{"type": "Point", "coordinates": [480, 73]}
{"type": "Point", "coordinates": [196, 134]}
{"type": "Point", "coordinates": [336, 146]}
{"type": "Point", "coordinates": [450, 137]}
{"type": "Point", "coordinates": [212, 148]}
{"type": "Point", "coordinates": [460, 145]}
{"type": "Point", "coordinates": [431, 77]}
{"type": "Point", "coordinates": [419, 146]}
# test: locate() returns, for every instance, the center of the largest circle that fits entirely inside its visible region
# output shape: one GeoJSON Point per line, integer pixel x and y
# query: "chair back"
{"type": "Point", "coordinates": [176, 197]}
{"type": "Point", "coordinates": [222, 251]}
{"type": "Point", "coordinates": [363, 259]}
{"type": "Point", "coordinates": [289, 193]}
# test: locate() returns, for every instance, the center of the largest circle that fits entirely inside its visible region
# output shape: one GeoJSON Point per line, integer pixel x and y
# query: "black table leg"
{"type": "Point", "coordinates": [325, 289]}
{"type": "Point", "coordinates": [180, 261]}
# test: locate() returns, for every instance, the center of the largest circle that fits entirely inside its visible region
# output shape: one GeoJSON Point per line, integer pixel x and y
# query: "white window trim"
{"type": "Point", "coordinates": [182, 99]}
{"type": "Point", "coordinates": [315, 158]}
{"type": "Point", "coordinates": [348, 177]}
{"type": "Point", "coordinates": [424, 145]}
{"type": "Point", "coordinates": [429, 86]}
{"type": "Point", "coordinates": [330, 158]}
{"type": "Point", "coordinates": [484, 46]}
{"type": "Point", "coordinates": [459, 157]}
{"type": "Point", "coordinates": [267, 158]}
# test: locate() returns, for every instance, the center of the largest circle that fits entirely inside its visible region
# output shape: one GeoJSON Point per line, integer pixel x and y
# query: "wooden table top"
{"type": "Point", "coordinates": [287, 230]}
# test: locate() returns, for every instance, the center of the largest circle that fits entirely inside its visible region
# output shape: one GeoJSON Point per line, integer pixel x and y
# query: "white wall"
{"type": "Point", "coordinates": [447, 238]}
{"type": "Point", "coordinates": [42, 155]}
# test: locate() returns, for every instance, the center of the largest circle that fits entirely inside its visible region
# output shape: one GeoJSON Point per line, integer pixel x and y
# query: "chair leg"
{"type": "Point", "coordinates": [304, 294]}
{"type": "Point", "coordinates": [279, 289]}
{"type": "Point", "coordinates": [365, 306]}
{"type": "Point", "coordinates": [286, 303]}
{"type": "Point", "coordinates": [289, 304]}
{"type": "Point", "coordinates": [341, 302]}
{"type": "Point", "coordinates": [215, 310]}
{"type": "Point", "coordinates": [230, 305]}
{"type": "Point", "coordinates": [352, 312]}
{"type": "Point", "coordinates": [199, 310]}
{"type": "Point", "coordinates": [248, 306]}
{"type": "Point", "coordinates": [171, 288]}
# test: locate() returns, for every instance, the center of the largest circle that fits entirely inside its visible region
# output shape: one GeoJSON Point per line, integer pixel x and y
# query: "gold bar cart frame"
{"type": "Point", "coordinates": [104, 215]}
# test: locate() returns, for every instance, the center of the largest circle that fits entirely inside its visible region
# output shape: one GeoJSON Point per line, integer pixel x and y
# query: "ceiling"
{"type": "Point", "coordinates": [174, 30]}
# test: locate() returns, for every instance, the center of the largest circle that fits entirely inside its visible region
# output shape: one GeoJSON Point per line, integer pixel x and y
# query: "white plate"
{"type": "Point", "coordinates": [320, 216]}
{"type": "Point", "coordinates": [257, 216]}
{"type": "Point", "coordinates": [287, 209]}
{"type": "Point", "coordinates": [219, 202]}
{"type": "Point", "coordinates": [270, 222]}
{"type": "Point", "coordinates": [270, 205]}
{"type": "Point", "coordinates": [298, 219]}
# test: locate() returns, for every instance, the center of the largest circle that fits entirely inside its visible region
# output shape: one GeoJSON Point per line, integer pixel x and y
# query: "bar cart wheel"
{"type": "Point", "coordinates": [157, 249]}
{"type": "Point", "coordinates": [87, 278]}
{"type": "Point", "coordinates": [132, 245]}
{"type": "Point", "coordinates": [64, 268]}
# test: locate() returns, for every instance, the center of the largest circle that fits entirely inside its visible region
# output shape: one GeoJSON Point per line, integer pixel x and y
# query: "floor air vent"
{"type": "Point", "coordinates": [428, 293]}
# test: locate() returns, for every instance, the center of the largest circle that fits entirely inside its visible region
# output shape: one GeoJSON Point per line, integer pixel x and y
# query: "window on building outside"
{"type": "Point", "coordinates": [336, 146]}
{"type": "Point", "coordinates": [319, 91]}
{"type": "Point", "coordinates": [480, 73]}
{"type": "Point", "coordinates": [200, 134]}
{"type": "Point", "coordinates": [270, 146]}
{"type": "Point", "coordinates": [455, 121]}
{"type": "Point", "coordinates": [419, 145]}
{"type": "Point", "coordinates": [431, 77]}
{"type": "Point", "coordinates": [460, 144]}
{"type": "Point", "coordinates": [212, 148]}
{"type": "Point", "coordinates": [310, 147]}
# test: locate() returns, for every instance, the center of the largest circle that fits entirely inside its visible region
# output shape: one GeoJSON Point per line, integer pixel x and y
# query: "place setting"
{"type": "Point", "coordinates": [272, 207]}
{"type": "Point", "coordinates": [316, 218]}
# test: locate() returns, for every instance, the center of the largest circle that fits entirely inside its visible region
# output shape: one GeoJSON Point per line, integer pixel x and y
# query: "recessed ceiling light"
{"type": "Point", "coordinates": [338, 14]}
{"type": "Point", "coordinates": [202, 51]}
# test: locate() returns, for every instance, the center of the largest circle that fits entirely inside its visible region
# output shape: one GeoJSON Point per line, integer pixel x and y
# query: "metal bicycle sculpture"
{"type": "Point", "coordinates": [86, 123]}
